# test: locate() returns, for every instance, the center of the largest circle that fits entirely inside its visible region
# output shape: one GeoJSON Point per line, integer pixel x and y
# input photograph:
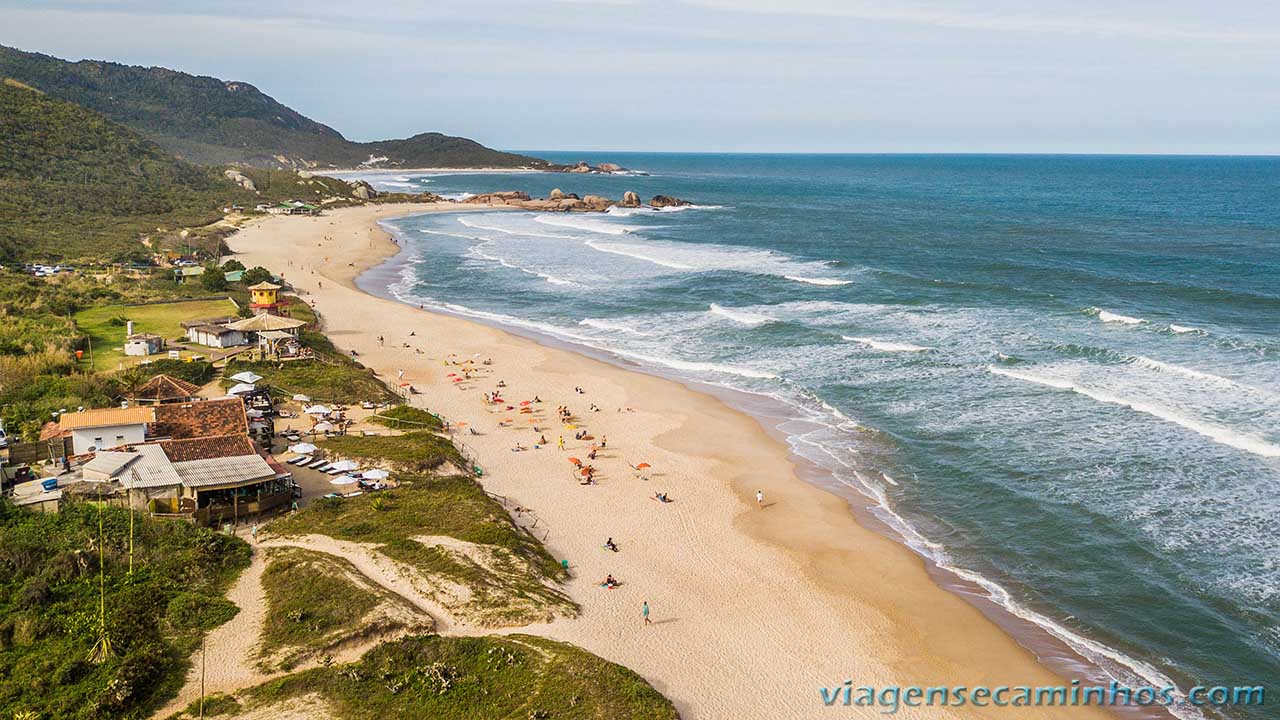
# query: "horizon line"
{"type": "Point", "coordinates": [793, 153]}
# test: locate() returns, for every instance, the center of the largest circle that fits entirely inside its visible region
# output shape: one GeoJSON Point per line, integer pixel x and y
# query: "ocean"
{"type": "Point", "coordinates": [1056, 377]}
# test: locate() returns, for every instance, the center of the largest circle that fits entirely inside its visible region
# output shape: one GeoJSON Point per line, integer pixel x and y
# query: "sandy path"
{"type": "Point", "coordinates": [754, 610]}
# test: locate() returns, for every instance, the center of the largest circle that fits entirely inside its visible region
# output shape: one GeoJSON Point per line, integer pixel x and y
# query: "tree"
{"type": "Point", "coordinates": [232, 265]}
{"type": "Point", "coordinates": [214, 278]}
{"type": "Point", "coordinates": [255, 276]}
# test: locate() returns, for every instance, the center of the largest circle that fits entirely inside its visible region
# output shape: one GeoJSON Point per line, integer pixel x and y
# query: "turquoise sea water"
{"type": "Point", "coordinates": [1056, 376]}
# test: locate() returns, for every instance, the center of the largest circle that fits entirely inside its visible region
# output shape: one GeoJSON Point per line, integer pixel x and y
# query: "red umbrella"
{"type": "Point", "coordinates": [457, 379]}
{"type": "Point", "coordinates": [642, 466]}
{"type": "Point", "coordinates": [451, 374]}
{"type": "Point", "coordinates": [526, 402]}
{"type": "Point", "coordinates": [575, 461]}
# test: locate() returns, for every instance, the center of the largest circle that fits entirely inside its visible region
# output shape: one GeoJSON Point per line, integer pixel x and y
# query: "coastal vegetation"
{"type": "Point", "coordinates": [161, 588]}
{"type": "Point", "coordinates": [463, 678]}
{"type": "Point", "coordinates": [416, 451]}
{"type": "Point", "coordinates": [326, 379]}
{"type": "Point", "coordinates": [453, 535]}
{"type": "Point", "coordinates": [317, 603]}
{"type": "Point", "coordinates": [208, 121]}
{"type": "Point", "coordinates": [407, 417]}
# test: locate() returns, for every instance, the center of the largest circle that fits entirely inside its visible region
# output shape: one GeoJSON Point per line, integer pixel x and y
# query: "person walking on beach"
{"type": "Point", "coordinates": [760, 498]}
{"type": "Point", "coordinates": [560, 444]}
{"type": "Point", "coordinates": [645, 612]}
{"type": "Point", "coordinates": [254, 532]}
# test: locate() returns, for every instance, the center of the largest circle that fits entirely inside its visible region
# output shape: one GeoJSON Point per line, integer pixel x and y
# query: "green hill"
{"type": "Point", "coordinates": [215, 122]}
{"type": "Point", "coordinates": [74, 184]}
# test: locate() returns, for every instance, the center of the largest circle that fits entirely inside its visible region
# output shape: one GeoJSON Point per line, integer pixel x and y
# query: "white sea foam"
{"type": "Point", "coordinates": [1160, 366]}
{"type": "Point", "coordinates": [636, 252]}
{"type": "Point", "coordinates": [478, 252]}
{"type": "Point", "coordinates": [508, 231]}
{"type": "Point", "coordinates": [741, 317]}
{"type": "Point", "coordinates": [457, 196]}
{"type": "Point", "coordinates": [884, 346]}
{"type": "Point", "coordinates": [578, 223]}
{"type": "Point", "coordinates": [1180, 329]}
{"type": "Point", "coordinates": [610, 326]}
{"type": "Point", "coordinates": [817, 281]}
{"type": "Point", "coordinates": [1110, 317]}
{"type": "Point", "coordinates": [1216, 433]}
{"type": "Point", "coordinates": [397, 184]}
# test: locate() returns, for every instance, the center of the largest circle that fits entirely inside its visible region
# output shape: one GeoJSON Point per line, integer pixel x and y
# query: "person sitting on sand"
{"type": "Point", "coordinates": [502, 383]}
{"type": "Point", "coordinates": [609, 582]}
{"type": "Point", "coordinates": [542, 440]}
{"type": "Point", "coordinates": [537, 399]}
{"type": "Point", "coordinates": [518, 448]}
{"type": "Point", "coordinates": [661, 497]}
{"type": "Point", "coordinates": [610, 544]}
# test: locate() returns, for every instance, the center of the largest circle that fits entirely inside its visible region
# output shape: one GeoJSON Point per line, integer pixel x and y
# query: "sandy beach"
{"type": "Point", "coordinates": [754, 608]}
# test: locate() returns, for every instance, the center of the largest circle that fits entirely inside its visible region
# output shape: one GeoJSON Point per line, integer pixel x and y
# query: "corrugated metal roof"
{"type": "Point", "coordinates": [236, 470]}
{"type": "Point", "coordinates": [110, 463]}
{"type": "Point", "coordinates": [107, 417]}
{"type": "Point", "coordinates": [152, 469]}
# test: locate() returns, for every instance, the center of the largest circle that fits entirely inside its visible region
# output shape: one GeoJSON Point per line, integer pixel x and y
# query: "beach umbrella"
{"type": "Point", "coordinates": [457, 380]}
{"type": "Point", "coordinates": [344, 465]}
{"type": "Point", "coordinates": [301, 398]}
{"type": "Point", "coordinates": [322, 427]}
{"type": "Point", "coordinates": [344, 480]}
{"type": "Point", "coordinates": [642, 466]}
{"type": "Point", "coordinates": [375, 474]}
{"type": "Point", "coordinates": [246, 377]}
{"type": "Point", "coordinates": [303, 448]}
{"type": "Point", "coordinates": [241, 388]}
{"type": "Point", "coordinates": [452, 375]}
{"type": "Point", "coordinates": [317, 410]}
{"type": "Point", "coordinates": [575, 461]}
{"type": "Point", "coordinates": [527, 402]}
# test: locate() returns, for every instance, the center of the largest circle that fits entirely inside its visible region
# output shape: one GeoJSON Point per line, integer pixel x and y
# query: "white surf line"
{"type": "Point", "coordinates": [1217, 433]}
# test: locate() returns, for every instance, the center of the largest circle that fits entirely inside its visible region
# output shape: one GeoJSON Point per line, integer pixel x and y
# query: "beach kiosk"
{"type": "Point", "coordinates": [265, 298]}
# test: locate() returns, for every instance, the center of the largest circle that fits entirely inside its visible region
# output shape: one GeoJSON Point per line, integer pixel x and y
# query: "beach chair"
{"type": "Point", "coordinates": [333, 471]}
{"type": "Point", "coordinates": [320, 465]}
{"type": "Point", "coordinates": [300, 460]}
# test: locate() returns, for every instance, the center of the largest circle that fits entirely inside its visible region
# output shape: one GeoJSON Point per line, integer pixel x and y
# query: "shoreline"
{"type": "Point", "coordinates": [1034, 631]}
{"type": "Point", "coordinates": [818, 571]}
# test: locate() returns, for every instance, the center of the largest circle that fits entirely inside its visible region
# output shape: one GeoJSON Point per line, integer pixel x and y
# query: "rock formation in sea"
{"type": "Point", "coordinates": [661, 201]}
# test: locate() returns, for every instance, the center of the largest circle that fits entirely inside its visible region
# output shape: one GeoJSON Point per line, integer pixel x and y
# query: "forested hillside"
{"type": "Point", "coordinates": [209, 121]}
{"type": "Point", "coordinates": [74, 184]}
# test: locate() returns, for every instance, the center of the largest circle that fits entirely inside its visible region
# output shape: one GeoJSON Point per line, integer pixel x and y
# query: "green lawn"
{"type": "Point", "coordinates": [105, 325]}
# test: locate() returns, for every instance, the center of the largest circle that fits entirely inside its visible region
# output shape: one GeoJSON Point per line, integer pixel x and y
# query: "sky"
{"type": "Point", "coordinates": [1087, 76]}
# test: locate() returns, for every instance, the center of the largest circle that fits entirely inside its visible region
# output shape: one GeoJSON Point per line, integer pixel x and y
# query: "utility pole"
{"type": "Point", "coordinates": [202, 677]}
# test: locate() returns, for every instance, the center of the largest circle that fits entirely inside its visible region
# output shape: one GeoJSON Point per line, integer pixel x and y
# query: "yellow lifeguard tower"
{"type": "Point", "coordinates": [265, 298]}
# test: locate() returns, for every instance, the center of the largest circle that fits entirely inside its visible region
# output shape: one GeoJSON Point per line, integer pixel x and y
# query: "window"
{"type": "Point", "coordinates": [97, 442]}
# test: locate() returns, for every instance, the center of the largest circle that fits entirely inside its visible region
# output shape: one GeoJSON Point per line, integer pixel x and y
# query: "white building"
{"type": "Point", "coordinates": [143, 344]}
{"type": "Point", "coordinates": [106, 428]}
{"type": "Point", "coordinates": [216, 336]}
